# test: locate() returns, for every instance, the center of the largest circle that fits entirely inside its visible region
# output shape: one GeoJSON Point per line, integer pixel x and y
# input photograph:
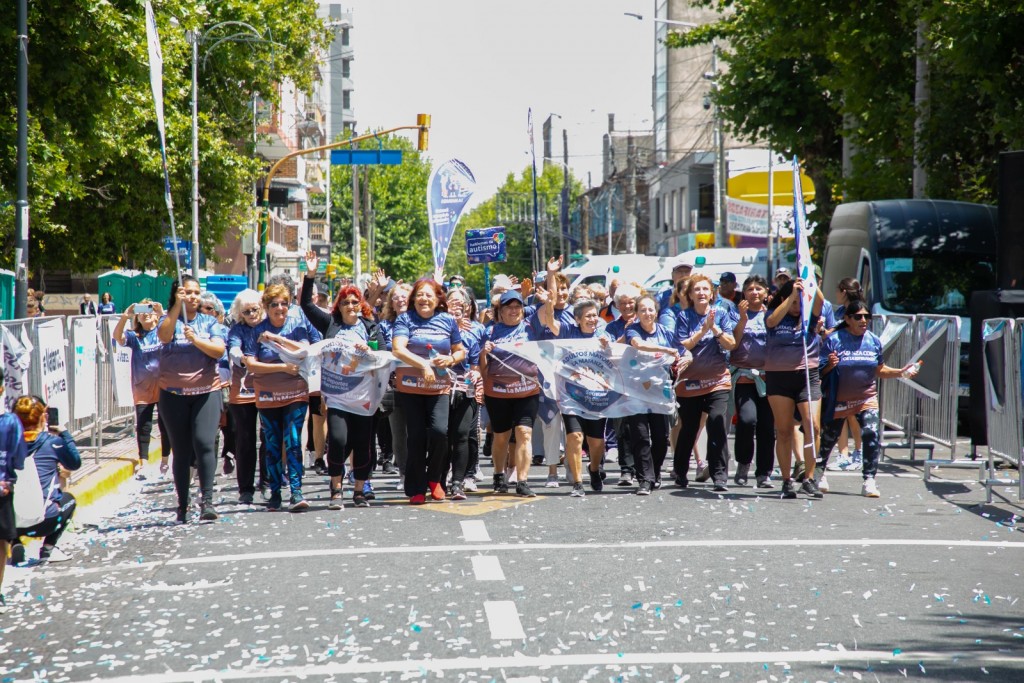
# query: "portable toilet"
{"type": "Point", "coordinates": [117, 284]}
{"type": "Point", "coordinates": [6, 295]}
{"type": "Point", "coordinates": [226, 287]}
{"type": "Point", "coordinates": [142, 286]}
{"type": "Point", "coordinates": [163, 285]}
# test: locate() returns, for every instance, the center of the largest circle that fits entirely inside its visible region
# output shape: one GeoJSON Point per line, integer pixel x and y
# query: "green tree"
{"type": "Point", "coordinates": [398, 196]}
{"type": "Point", "coordinates": [96, 184]}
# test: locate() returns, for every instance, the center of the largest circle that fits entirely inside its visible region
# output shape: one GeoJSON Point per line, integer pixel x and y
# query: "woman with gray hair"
{"type": "Point", "coordinates": [246, 312]}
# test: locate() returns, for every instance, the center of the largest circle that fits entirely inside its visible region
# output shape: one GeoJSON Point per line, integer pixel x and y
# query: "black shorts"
{"type": "Point", "coordinates": [793, 384]}
{"type": "Point", "coordinates": [8, 526]}
{"type": "Point", "coordinates": [507, 413]}
{"type": "Point", "coordinates": [314, 405]}
{"type": "Point", "coordinates": [592, 429]}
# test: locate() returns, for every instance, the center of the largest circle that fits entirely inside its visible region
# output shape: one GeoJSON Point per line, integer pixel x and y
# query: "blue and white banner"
{"type": "Point", "coordinates": [450, 187]}
{"type": "Point", "coordinates": [804, 265]}
{"type": "Point", "coordinates": [485, 245]}
{"type": "Point", "coordinates": [588, 380]}
{"type": "Point", "coordinates": [17, 356]}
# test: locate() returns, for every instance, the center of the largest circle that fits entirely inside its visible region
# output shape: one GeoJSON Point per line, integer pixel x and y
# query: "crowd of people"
{"type": "Point", "coordinates": [794, 376]}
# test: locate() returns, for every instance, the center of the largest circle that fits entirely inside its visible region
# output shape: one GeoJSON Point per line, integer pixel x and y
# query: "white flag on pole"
{"type": "Point", "coordinates": [804, 265]}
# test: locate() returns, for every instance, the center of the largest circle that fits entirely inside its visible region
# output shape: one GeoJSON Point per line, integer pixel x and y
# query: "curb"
{"type": "Point", "coordinates": [108, 478]}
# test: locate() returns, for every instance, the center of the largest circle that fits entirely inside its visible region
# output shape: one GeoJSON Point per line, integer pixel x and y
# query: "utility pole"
{"type": "Point", "coordinates": [21, 212]}
{"type": "Point", "coordinates": [357, 266]}
{"type": "Point", "coordinates": [585, 223]}
{"type": "Point", "coordinates": [629, 205]}
{"type": "Point", "coordinates": [564, 215]}
{"type": "Point", "coordinates": [922, 93]}
{"type": "Point", "coordinates": [368, 219]}
{"type": "Point", "coordinates": [721, 239]}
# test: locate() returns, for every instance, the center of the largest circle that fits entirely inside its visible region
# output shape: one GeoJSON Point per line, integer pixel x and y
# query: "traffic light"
{"type": "Point", "coordinates": [423, 121]}
{"type": "Point", "coordinates": [330, 272]}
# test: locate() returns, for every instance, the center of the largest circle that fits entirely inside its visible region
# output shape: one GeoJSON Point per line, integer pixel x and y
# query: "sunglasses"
{"type": "Point", "coordinates": [279, 304]}
{"type": "Point", "coordinates": [455, 284]}
{"type": "Point", "coordinates": [860, 316]}
{"type": "Point", "coordinates": [250, 311]}
{"type": "Point", "coordinates": [350, 302]}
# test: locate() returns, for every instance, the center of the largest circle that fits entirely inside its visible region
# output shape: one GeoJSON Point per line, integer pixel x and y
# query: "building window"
{"type": "Point", "coordinates": [346, 99]}
{"type": "Point", "coordinates": [706, 202]}
{"type": "Point", "coordinates": [346, 68]}
{"type": "Point", "coordinates": [344, 37]}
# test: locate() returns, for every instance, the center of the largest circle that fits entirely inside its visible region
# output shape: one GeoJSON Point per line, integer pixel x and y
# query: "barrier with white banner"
{"type": "Point", "coordinates": [1002, 343]}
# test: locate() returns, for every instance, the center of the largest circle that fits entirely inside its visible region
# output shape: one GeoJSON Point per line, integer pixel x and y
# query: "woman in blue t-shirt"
{"type": "Point", "coordinates": [854, 363]}
{"type": "Point", "coordinates": [247, 312]}
{"type": "Point", "coordinates": [753, 413]}
{"type": "Point", "coordinates": [106, 306]}
{"type": "Point", "coordinates": [427, 339]}
{"type": "Point", "coordinates": [144, 342]}
{"type": "Point", "coordinates": [649, 431]}
{"type": "Point", "coordinates": [791, 379]}
{"type": "Point", "coordinates": [464, 410]}
{"type": "Point", "coordinates": [190, 392]}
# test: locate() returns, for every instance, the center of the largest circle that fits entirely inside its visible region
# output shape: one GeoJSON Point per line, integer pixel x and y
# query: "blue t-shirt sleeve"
{"type": "Point", "coordinates": [632, 334]}
{"type": "Point", "coordinates": [131, 340]}
{"type": "Point", "coordinates": [454, 334]}
{"type": "Point", "coordinates": [400, 328]}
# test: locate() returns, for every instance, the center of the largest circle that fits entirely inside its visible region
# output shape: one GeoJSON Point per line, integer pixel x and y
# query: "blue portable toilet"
{"type": "Point", "coordinates": [226, 287]}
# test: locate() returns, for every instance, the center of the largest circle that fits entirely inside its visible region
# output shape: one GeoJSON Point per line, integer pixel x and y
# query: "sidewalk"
{"type": "Point", "coordinates": [104, 471]}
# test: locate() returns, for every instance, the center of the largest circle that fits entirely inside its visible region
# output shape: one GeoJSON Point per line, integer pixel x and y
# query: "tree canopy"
{"type": "Point", "coordinates": [95, 178]}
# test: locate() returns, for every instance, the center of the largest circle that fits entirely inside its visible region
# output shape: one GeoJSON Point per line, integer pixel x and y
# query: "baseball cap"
{"type": "Point", "coordinates": [727, 277]}
{"type": "Point", "coordinates": [510, 295]}
{"type": "Point", "coordinates": [683, 262]}
{"type": "Point", "coordinates": [782, 271]}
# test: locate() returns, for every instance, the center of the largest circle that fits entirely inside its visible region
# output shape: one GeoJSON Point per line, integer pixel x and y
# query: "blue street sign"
{"type": "Point", "coordinates": [485, 245]}
{"type": "Point", "coordinates": [184, 249]}
{"type": "Point", "coordinates": [366, 157]}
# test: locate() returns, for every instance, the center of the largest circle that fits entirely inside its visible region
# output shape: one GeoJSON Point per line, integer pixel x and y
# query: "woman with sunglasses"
{"type": "Point", "coordinates": [427, 339]}
{"type": "Point", "coordinates": [848, 291]}
{"type": "Point", "coordinates": [281, 393]}
{"type": "Point", "coordinates": [247, 311]}
{"type": "Point", "coordinates": [792, 382]}
{"type": "Point", "coordinates": [190, 396]}
{"type": "Point", "coordinates": [145, 344]}
{"type": "Point", "coordinates": [464, 411]}
{"type": "Point", "coordinates": [754, 419]}
{"type": "Point", "coordinates": [349, 422]}
{"type": "Point", "coordinates": [396, 303]}
{"type": "Point", "coordinates": [649, 431]}
{"type": "Point", "coordinates": [705, 331]}
{"type": "Point", "coordinates": [854, 364]}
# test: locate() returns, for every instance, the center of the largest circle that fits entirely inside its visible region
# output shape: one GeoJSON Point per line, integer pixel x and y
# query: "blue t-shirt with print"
{"type": "Point", "coordinates": [440, 330]}
{"type": "Point", "coordinates": [660, 336]}
{"type": "Point", "coordinates": [784, 347]}
{"type": "Point", "coordinates": [751, 348]}
{"type": "Point", "coordinates": [859, 360]}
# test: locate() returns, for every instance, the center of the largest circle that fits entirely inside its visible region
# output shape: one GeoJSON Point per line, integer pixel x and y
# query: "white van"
{"type": "Point", "coordinates": [604, 268]}
{"type": "Point", "coordinates": [742, 262]}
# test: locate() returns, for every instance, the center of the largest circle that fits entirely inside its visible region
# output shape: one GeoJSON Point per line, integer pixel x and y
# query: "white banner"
{"type": "Point", "coordinates": [17, 358]}
{"type": "Point", "coordinates": [121, 370]}
{"type": "Point", "coordinates": [54, 369]}
{"type": "Point", "coordinates": [748, 218]}
{"type": "Point", "coordinates": [83, 336]}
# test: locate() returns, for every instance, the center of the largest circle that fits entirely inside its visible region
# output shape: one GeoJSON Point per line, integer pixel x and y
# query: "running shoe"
{"type": "Point", "coordinates": [523, 490]}
{"type": "Point", "coordinates": [368, 491]}
{"type": "Point", "coordinates": [596, 480]}
{"type": "Point", "coordinates": [870, 489]}
{"type": "Point", "coordinates": [856, 462]}
{"type": "Point", "coordinates": [182, 515]}
{"type": "Point", "coordinates": [537, 460]}
{"type": "Point", "coordinates": [742, 473]}
{"type": "Point", "coordinates": [823, 484]}
{"type": "Point", "coordinates": [245, 498]}
{"type": "Point", "coordinates": [337, 501]}
{"type": "Point", "coordinates": [799, 473]}
{"type": "Point", "coordinates": [657, 484]}
{"type": "Point", "coordinates": [53, 554]}
{"type": "Point", "coordinates": [164, 466]}
{"type": "Point", "coordinates": [499, 484]}
{"type": "Point", "coordinates": [625, 479]}
{"type": "Point", "coordinates": [682, 483]}
{"type": "Point", "coordinates": [789, 489]}
{"type": "Point", "coordinates": [839, 464]}
{"type": "Point", "coordinates": [469, 484]}
{"type": "Point", "coordinates": [388, 468]}
{"type": "Point", "coordinates": [704, 474]}
{"type": "Point", "coordinates": [457, 491]}
{"type": "Point", "coordinates": [17, 554]}
{"type": "Point", "coordinates": [644, 489]}
{"type": "Point", "coordinates": [764, 482]}
{"type": "Point", "coordinates": [551, 482]}
{"type": "Point", "coordinates": [320, 467]}
{"type": "Point", "coordinates": [418, 499]}
{"type": "Point", "coordinates": [209, 513]}
{"type": "Point", "coordinates": [274, 504]}
{"type": "Point", "coordinates": [577, 490]}
{"type": "Point", "coordinates": [809, 488]}
{"type": "Point", "coordinates": [359, 500]}
{"type": "Point", "coordinates": [721, 487]}
{"type": "Point", "coordinates": [229, 464]}
{"type": "Point", "coordinates": [436, 490]}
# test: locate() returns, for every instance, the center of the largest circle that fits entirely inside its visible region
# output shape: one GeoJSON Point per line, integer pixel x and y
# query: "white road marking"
{"type": "Point", "coordinates": [521, 662]}
{"type": "Point", "coordinates": [487, 568]}
{"type": "Point", "coordinates": [474, 531]}
{"type": "Point", "coordinates": [503, 620]}
{"type": "Point", "coordinates": [730, 544]}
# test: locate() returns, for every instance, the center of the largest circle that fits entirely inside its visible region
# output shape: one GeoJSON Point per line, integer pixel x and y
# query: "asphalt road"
{"type": "Point", "coordinates": [683, 585]}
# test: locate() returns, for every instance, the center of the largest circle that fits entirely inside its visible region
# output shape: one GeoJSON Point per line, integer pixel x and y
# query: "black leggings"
{"type": "Point", "coordinates": [754, 419]}
{"type": "Point", "coordinates": [648, 435]}
{"type": "Point", "coordinates": [51, 528]}
{"type": "Point", "coordinates": [192, 423]}
{"type": "Point", "coordinates": [348, 432]}
{"type": "Point", "coordinates": [245, 418]}
{"type": "Point", "coordinates": [144, 431]}
{"type": "Point", "coordinates": [462, 418]}
{"type": "Point", "coordinates": [715, 405]}
{"type": "Point", "coordinates": [426, 418]}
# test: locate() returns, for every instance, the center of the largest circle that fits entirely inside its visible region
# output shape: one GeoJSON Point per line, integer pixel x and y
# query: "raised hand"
{"type": "Point", "coordinates": [554, 264]}
{"type": "Point", "coordinates": [312, 263]}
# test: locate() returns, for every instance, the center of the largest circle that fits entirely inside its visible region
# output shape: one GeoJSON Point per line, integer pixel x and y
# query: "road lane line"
{"type": "Point", "coordinates": [474, 531]}
{"type": "Point", "coordinates": [523, 662]}
{"type": "Point", "coordinates": [765, 544]}
{"type": "Point", "coordinates": [487, 568]}
{"type": "Point", "coordinates": [503, 620]}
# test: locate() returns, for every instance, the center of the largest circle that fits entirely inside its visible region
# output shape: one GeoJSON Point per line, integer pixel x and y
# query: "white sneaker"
{"type": "Point", "coordinates": [469, 484]}
{"type": "Point", "coordinates": [839, 464]}
{"type": "Point", "coordinates": [855, 463]}
{"type": "Point", "coordinates": [58, 555]}
{"type": "Point", "coordinates": [870, 488]}
{"type": "Point", "coordinates": [552, 482]}
{"type": "Point", "coordinates": [511, 476]}
{"type": "Point", "coordinates": [823, 484]}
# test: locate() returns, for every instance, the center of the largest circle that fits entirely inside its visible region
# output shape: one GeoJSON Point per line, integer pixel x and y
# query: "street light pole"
{"type": "Point", "coordinates": [194, 37]}
{"type": "Point", "coordinates": [21, 212]}
{"type": "Point", "coordinates": [720, 162]}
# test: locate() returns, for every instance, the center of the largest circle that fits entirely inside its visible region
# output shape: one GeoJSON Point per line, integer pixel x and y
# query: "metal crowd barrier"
{"type": "Point", "coordinates": [937, 417]}
{"type": "Point", "coordinates": [896, 400]}
{"type": "Point", "coordinates": [91, 428]}
{"type": "Point", "coordinates": [1002, 339]}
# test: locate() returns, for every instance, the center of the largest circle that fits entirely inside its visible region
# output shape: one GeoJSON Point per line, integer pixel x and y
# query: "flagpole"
{"type": "Point", "coordinates": [538, 245]}
{"type": "Point", "coordinates": [806, 274]}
